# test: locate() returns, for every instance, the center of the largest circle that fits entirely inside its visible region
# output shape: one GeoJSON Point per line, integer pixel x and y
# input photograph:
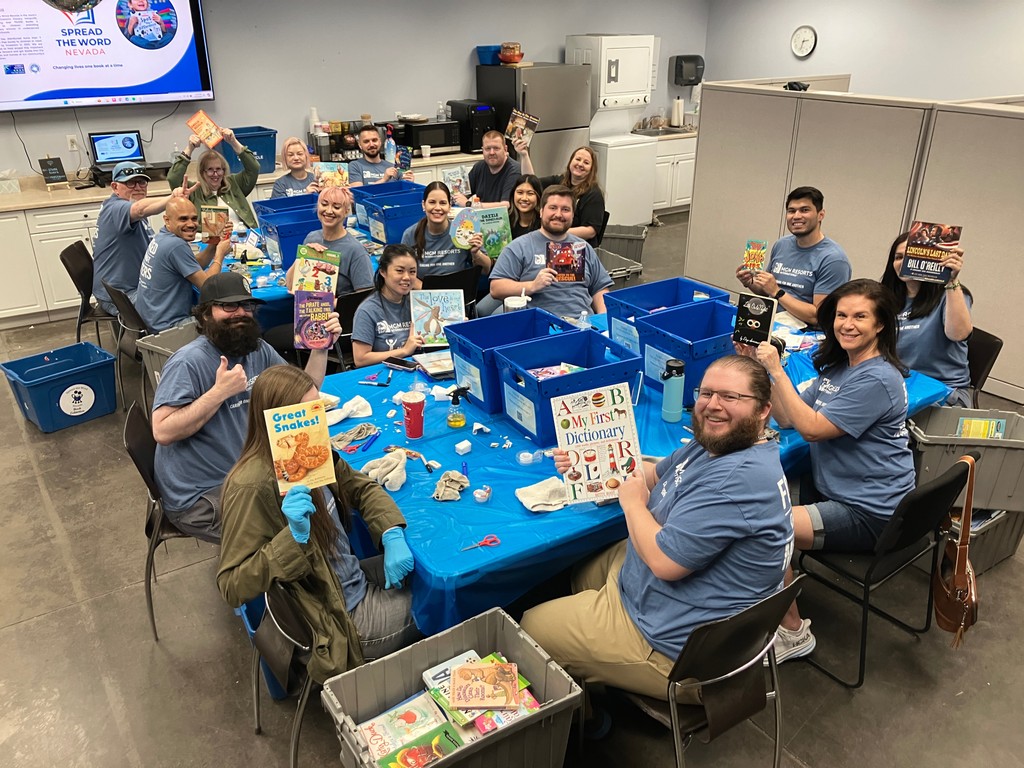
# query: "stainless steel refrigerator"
{"type": "Point", "coordinates": [557, 94]}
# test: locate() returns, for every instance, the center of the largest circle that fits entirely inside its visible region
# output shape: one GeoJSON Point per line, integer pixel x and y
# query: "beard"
{"type": "Point", "coordinates": [236, 337]}
{"type": "Point", "coordinates": [743, 434]}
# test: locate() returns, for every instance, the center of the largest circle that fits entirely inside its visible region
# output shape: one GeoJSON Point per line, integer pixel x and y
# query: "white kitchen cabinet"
{"type": "Point", "coordinates": [262, 192]}
{"type": "Point", "coordinates": [682, 180]}
{"type": "Point", "coordinates": [21, 291]}
{"type": "Point", "coordinates": [673, 175]}
{"type": "Point", "coordinates": [58, 290]}
{"type": "Point", "coordinates": [663, 183]}
{"type": "Point", "coordinates": [426, 175]}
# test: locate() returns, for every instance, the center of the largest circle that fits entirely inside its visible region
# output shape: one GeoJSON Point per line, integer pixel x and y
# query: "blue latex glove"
{"type": "Point", "coordinates": [398, 562]}
{"type": "Point", "coordinates": [297, 507]}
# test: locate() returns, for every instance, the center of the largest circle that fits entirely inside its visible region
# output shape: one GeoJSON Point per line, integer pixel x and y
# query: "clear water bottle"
{"type": "Point", "coordinates": [674, 379]}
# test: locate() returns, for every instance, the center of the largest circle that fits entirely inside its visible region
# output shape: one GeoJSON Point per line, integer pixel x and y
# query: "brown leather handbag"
{"type": "Point", "coordinates": [954, 586]}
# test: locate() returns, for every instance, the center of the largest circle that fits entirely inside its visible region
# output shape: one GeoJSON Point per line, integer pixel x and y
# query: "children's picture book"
{"type": "Point", "coordinates": [521, 126]}
{"type": "Point", "coordinates": [457, 180]}
{"type": "Point", "coordinates": [425, 749]}
{"type": "Point", "coordinates": [483, 685]}
{"type": "Point", "coordinates": [312, 310]}
{"type": "Point", "coordinates": [597, 429]}
{"type": "Point", "coordinates": [392, 730]}
{"type": "Point", "coordinates": [981, 428]}
{"type": "Point", "coordinates": [927, 246]}
{"type": "Point", "coordinates": [568, 260]}
{"type": "Point", "coordinates": [437, 365]}
{"type": "Point", "coordinates": [300, 445]}
{"type": "Point", "coordinates": [755, 256]}
{"type": "Point", "coordinates": [331, 174]}
{"type": "Point", "coordinates": [492, 720]}
{"type": "Point", "coordinates": [214, 222]}
{"type": "Point", "coordinates": [315, 270]}
{"type": "Point", "coordinates": [755, 316]}
{"type": "Point", "coordinates": [403, 158]}
{"type": "Point", "coordinates": [463, 227]}
{"type": "Point", "coordinates": [433, 310]}
{"type": "Point", "coordinates": [551, 371]}
{"type": "Point", "coordinates": [496, 229]}
{"type": "Point", "coordinates": [438, 682]}
{"type": "Point", "coordinates": [202, 125]}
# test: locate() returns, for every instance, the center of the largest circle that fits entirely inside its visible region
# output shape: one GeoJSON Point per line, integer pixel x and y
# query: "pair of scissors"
{"type": "Point", "coordinates": [490, 540]}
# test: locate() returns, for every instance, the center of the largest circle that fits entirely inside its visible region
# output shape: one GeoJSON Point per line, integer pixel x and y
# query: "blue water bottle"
{"type": "Point", "coordinates": [672, 402]}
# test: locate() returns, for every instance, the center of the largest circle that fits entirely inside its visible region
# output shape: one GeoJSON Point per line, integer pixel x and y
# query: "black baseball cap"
{"type": "Point", "coordinates": [225, 288]}
{"type": "Point", "coordinates": [126, 171]}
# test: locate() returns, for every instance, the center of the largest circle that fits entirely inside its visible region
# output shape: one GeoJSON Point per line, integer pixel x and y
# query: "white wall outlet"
{"type": "Point", "coordinates": [72, 142]}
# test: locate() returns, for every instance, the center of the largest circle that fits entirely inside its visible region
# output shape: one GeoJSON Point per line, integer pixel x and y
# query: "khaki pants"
{"type": "Point", "coordinates": [592, 637]}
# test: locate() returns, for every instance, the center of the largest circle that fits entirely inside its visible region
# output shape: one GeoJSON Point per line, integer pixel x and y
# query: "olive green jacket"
{"type": "Point", "coordinates": [237, 186]}
{"type": "Point", "coordinates": [257, 547]}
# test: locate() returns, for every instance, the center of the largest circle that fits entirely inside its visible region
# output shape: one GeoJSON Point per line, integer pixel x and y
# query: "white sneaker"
{"type": "Point", "coordinates": [792, 644]}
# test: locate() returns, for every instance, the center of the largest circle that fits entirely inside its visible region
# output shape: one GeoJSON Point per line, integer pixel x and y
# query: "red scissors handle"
{"type": "Point", "coordinates": [490, 540]}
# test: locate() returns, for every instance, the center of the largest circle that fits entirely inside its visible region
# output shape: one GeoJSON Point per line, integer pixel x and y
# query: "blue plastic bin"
{"type": "Point", "coordinates": [285, 230]}
{"type": "Point", "coordinates": [488, 54]}
{"type": "Point", "coordinates": [361, 194]}
{"type": "Point", "coordinates": [64, 387]}
{"type": "Point", "coordinates": [698, 334]}
{"type": "Point", "coordinates": [528, 401]}
{"type": "Point", "coordinates": [263, 143]}
{"type": "Point", "coordinates": [281, 204]}
{"type": "Point", "coordinates": [473, 344]}
{"type": "Point", "coordinates": [391, 215]}
{"type": "Point", "coordinates": [626, 305]}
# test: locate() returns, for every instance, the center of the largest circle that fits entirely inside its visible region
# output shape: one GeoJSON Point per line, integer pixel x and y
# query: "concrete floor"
{"type": "Point", "coordinates": [82, 683]}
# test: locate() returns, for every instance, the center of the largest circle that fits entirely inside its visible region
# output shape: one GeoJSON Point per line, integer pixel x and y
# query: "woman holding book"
{"type": "Point", "coordinates": [524, 205]}
{"type": "Point", "coordinates": [357, 609]}
{"type": "Point", "coordinates": [299, 180]}
{"type": "Point", "coordinates": [934, 323]}
{"type": "Point", "coordinates": [431, 240]}
{"type": "Point", "coordinates": [216, 186]}
{"type": "Point", "coordinates": [581, 177]}
{"type": "Point", "coordinates": [382, 327]}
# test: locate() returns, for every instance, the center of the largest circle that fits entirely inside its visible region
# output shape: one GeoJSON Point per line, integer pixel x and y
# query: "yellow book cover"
{"type": "Point", "coordinates": [300, 445]}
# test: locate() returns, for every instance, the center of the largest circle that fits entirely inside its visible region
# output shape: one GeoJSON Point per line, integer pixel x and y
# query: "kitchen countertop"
{"type": "Point", "coordinates": [673, 136]}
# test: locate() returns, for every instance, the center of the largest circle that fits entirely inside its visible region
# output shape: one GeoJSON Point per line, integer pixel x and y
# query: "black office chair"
{"type": "Point", "coordinates": [465, 279]}
{"type": "Point", "coordinates": [910, 533]}
{"type": "Point", "coordinates": [600, 231]}
{"type": "Point", "coordinates": [982, 350]}
{"type": "Point", "coordinates": [725, 661]}
{"type": "Point", "coordinates": [133, 328]}
{"type": "Point", "coordinates": [78, 262]}
{"type": "Point", "coordinates": [346, 306]}
{"type": "Point", "coordinates": [141, 447]}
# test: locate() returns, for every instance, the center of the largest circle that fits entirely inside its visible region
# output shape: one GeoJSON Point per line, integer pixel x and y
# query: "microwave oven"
{"type": "Point", "coordinates": [442, 136]}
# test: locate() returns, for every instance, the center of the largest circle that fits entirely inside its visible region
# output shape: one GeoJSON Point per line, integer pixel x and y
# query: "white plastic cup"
{"type": "Point", "coordinates": [425, 151]}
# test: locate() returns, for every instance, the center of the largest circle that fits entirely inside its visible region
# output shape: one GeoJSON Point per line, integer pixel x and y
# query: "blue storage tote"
{"type": "Point", "coordinates": [627, 305]}
{"type": "Point", "coordinates": [65, 386]}
{"type": "Point", "coordinates": [698, 334]}
{"type": "Point", "coordinates": [263, 143]}
{"type": "Point", "coordinates": [279, 204]}
{"type": "Point", "coordinates": [284, 232]}
{"type": "Point", "coordinates": [528, 400]}
{"type": "Point", "coordinates": [361, 194]}
{"type": "Point", "coordinates": [391, 215]}
{"type": "Point", "coordinates": [474, 342]}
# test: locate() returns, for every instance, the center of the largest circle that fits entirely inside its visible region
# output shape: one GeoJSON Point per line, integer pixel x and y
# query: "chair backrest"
{"type": "Point", "coordinates": [465, 279]}
{"type": "Point", "coordinates": [286, 613]}
{"type": "Point", "coordinates": [131, 320]}
{"type": "Point", "coordinates": [78, 262]}
{"type": "Point", "coordinates": [923, 509]}
{"type": "Point", "coordinates": [600, 231]}
{"type": "Point", "coordinates": [141, 446]}
{"type": "Point", "coordinates": [982, 350]}
{"type": "Point", "coordinates": [346, 305]}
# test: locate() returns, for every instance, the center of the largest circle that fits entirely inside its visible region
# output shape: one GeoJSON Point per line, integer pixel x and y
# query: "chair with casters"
{"type": "Point", "coordinates": [726, 661]}
{"type": "Point", "coordinates": [132, 328]}
{"type": "Point", "coordinates": [465, 279]}
{"type": "Point", "coordinates": [78, 262]}
{"type": "Point", "coordinates": [599, 237]}
{"type": "Point", "coordinates": [982, 350]}
{"type": "Point", "coordinates": [141, 447]}
{"type": "Point", "coordinates": [912, 531]}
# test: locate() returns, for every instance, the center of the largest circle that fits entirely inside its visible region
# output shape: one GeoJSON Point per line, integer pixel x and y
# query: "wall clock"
{"type": "Point", "coordinates": [803, 41]}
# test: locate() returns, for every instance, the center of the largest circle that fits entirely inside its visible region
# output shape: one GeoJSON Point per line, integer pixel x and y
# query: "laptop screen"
{"type": "Point", "coordinates": [109, 149]}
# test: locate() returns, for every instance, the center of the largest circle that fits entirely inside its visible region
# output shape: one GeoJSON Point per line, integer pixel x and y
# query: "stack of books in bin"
{"type": "Point", "coordinates": [465, 698]}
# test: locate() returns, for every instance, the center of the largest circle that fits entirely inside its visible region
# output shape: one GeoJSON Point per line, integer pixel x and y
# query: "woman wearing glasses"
{"type": "Point", "coordinates": [216, 186]}
{"type": "Point", "coordinates": [854, 417]}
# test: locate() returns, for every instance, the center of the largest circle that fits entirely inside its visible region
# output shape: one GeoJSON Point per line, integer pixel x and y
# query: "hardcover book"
{"type": "Point", "coordinates": [927, 246]}
{"type": "Point", "coordinates": [755, 316]}
{"type": "Point", "coordinates": [425, 749]}
{"type": "Point", "coordinates": [437, 365]}
{"type": "Point", "coordinates": [457, 180]}
{"type": "Point", "coordinates": [390, 731]}
{"type": "Point", "coordinates": [432, 310]}
{"type": "Point", "coordinates": [568, 260]}
{"type": "Point", "coordinates": [755, 255]}
{"type": "Point", "coordinates": [202, 125]}
{"type": "Point", "coordinates": [521, 126]}
{"type": "Point", "coordinates": [214, 222]}
{"type": "Point", "coordinates": [312, 311]}
{"type": "Point", "coordinates": [315, 270]}
{"type": "Point", "coordinates": [481, 685]}
{"type": "Point", "coordinates": [496, 229]}
{"type": "Point", "coordinates": [438, 682]}
{"type": "Point", "coordinates": [300, 445]}
{"type": "Point", "coordinates": [598, 430]}
{"type": "Point", "coordinates": [331, 174]}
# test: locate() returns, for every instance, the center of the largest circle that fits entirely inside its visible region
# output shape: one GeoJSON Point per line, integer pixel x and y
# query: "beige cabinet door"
{"type": "Point", "coordinates": [58, 289]}
{"type": "Point", "coordinates": [20, 291]}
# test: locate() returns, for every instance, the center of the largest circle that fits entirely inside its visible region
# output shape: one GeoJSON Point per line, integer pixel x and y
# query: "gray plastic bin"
{"type": "Point", "coordinates": [619, 267]}
{"type": "Point", "coordinates": [625, 240]}
{"type": "Point", "coordinates": [156, 349]}
{"type": "Point", "coordinates": [995, 540]}
{"type": "Point", "coordinates": [537, 740]}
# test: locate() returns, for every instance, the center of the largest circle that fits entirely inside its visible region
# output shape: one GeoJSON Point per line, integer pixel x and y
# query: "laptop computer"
{"type": "Point", "coordinates": [112, 147]}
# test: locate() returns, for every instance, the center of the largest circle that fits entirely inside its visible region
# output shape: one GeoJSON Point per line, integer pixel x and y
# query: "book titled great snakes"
{"type": "Point", "coordinates": [300, 445]}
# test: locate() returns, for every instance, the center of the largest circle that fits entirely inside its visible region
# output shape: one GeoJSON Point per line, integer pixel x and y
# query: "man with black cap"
{"type": "Point", "coordinates": [200, 410]}
{"type": "Point", "coordinates": [124, 232]}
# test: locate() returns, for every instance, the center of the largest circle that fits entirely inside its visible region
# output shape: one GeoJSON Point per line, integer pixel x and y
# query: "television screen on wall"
{"type": "Point", "coordinates": [79, 53]}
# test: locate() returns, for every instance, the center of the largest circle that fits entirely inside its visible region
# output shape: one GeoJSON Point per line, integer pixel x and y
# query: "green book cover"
{"type": "Point", "coordinates": [425, 749]}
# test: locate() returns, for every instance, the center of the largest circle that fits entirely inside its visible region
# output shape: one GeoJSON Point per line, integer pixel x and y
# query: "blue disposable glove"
{"type": "Point", "coordinates": [297, 507]}
{"type": "Point", "coordinates": [398, 562]}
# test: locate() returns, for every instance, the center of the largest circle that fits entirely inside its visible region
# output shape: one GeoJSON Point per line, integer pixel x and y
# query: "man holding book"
{"type": "Point", "coordinates": [805, 268]}
{"type": "Point", "coordinates": [371, 168]}
{"type": "Point", "coordinates": [494, 177]}
{"type": "Point", "coordinates": [200, 409]}
{"type": "Point", "coordinates": [710, 533]}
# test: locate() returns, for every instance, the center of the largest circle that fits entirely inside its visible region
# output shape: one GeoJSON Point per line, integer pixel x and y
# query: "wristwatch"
{"type": "Point", "coordinates": [779, 295]}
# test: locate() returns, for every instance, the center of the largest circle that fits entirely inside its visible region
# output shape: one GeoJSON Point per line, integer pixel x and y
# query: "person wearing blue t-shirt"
{"type": "Point", "coordinates": [372, 168]}
{"type": "Point", "coordinates": [431, 240]}
{"type": "Point", "coordinates": [805, 268]}
{"type": "Point", "coordinates": [854, 417]}
{"type": "Point", "coordinates": [934, 322]}
{"type": "Point", "coordinates": [710, 533]}
{"type": "Point", "coordinates": [299, 180]}
{"type": "Point", "coordinates": [382, 327]}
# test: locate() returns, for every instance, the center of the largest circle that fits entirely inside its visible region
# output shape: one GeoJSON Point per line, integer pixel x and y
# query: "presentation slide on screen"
{"type": "Point", "coordinates": [80, 52]}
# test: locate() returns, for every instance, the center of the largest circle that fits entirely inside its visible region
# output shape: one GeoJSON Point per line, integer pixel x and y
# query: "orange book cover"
{"type": "Point", "coordinates": [202, 125]}
{"type": "Point", "coordinates": [481, 685]}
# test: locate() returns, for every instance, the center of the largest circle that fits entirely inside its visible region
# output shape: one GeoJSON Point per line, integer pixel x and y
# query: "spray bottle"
{"type": "Point", "coordinates": [672, 401]}
{"type": "Point", "coordinates": [456, 415]}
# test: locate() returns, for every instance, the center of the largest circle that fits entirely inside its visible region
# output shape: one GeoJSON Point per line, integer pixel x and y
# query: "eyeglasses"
{"type": "Point", "coordinates": [725, 397]}
{"type": "Point", "coordinates": [233, 306]}
{"type": "Point", "coordinates": [135, 182]}
{"type": "Point", "coordinates": [215, 170]}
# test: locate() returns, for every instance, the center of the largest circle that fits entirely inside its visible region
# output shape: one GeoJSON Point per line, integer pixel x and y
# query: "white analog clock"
{"type": "Point", "coordinates": [803, 41]}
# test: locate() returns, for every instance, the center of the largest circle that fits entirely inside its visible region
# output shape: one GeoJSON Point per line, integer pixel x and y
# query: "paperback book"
{"type": "Point", "coordinates": [432, 310]}
{"type": "Point", "coordinates": [202, 125]}
{"type": "Point", "coordinates": [437, 365]}
{"type": "Point", "coordinates": [981, 428]}
{"type": "Point", "coordinates": [492, 720]}
{"type": "Point", "coordinates": [330, 174]}
{"type": "Point", "coordinates": [425, 749]}
{"type": "Point", "coordinates": [392, 730]}
{"type": "Point", "coordinates": [483, 685]}
{"type": "Point", "coordinates": [521, 127]}
{"type": "Point", "coordinates": [597, 429]}
{"type": "Point", "coordinates": [315, 270]}
{"type": "Point", "coordinates": [927, 246]}
{"type": "Point", "coordinates": [438, 682]}
{"type": "Point", "coordinates": [403, 159]}
{"type": "Point", "coordinates": [490, 223]}
{"type": "Point", "coordinates": [312, 311]}
{"type": "Point", "coordinates": [457, 180]}
{"type": "Point", "coordinates": [214, 223]}
{"type": "Point", "coordinates": [568, 260]}
{"type": "Point", "coordinates": [300, 445]}
{"type": "Point", "coordinates": [755, 316]}
{"type": "Point", "coordinates": [755, 255]}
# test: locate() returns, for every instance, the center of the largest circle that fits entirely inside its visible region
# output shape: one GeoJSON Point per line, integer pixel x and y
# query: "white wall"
{"type": "Point", "coordinates": [935, 49]}
{"type": "Point", "coordinates": [271, 61]}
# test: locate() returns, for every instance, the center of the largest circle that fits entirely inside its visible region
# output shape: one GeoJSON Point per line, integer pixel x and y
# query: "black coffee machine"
{"type": "Point", "coordinates": [475, 119]}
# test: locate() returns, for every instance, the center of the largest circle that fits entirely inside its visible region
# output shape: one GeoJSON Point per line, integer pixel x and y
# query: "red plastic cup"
{"type": "Point", "coordinates": [412, 407]}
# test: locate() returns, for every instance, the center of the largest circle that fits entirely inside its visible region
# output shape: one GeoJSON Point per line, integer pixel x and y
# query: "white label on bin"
{"type": "Point", "coordinates": [377, 231]}
{"type": "Point", "coordinates": [520, 408]}
{"type": "Point", "coordinates": [654, 364]}
{"type": "Point", "coordinates": [468, 375]}
{"type": "Point", "coordinates": [626, 334]}
{"type": "Point", "coordinates": [77, 400]}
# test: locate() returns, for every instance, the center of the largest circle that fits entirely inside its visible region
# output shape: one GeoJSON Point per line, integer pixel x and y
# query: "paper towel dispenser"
{"type": "Point", "coordinates": [687, 69]}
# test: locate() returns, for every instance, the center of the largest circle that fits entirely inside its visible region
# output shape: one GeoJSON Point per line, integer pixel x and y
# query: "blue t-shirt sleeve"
{"type": "Point", "coordinates": [279, 189]}
{"type": "Point", "coordinates": [597, 276]}
{"type": "Point", "coordinates": [355, 173]}
{"type": "Point", "coordinates": [834, 273]}
{"type": "Point", "coordinates": [364, 325]}
{"type": "Point", "coordinates": [703, 531]}
{"type": "Point", "coordinates": [361, 268]}
{"type": "Point", "coordinates": [409, 236]}
{"type": "Point", "coordinates": [861, 401]}
{"type": "Point", "coordinates": [508, 264]}
{"type": "Point", "coordinates": [121, 216]}
{"type": "Point", "coordinates": [183, 261]}
{"type": "Point", "coordinates": [177, 385]}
